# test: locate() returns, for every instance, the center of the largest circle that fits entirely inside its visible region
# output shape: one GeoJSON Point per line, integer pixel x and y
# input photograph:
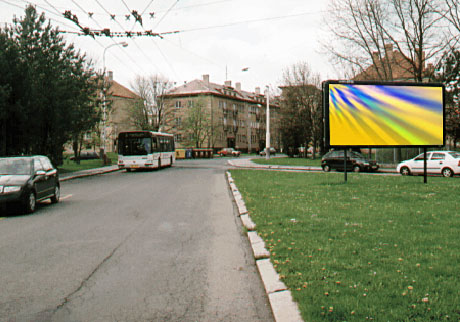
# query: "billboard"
{"type": "Point", "coordinates": [379, 114]}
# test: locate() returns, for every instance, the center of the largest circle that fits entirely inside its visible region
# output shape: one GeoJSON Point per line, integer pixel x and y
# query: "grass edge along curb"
{"type": "Point", "coordinates": [283, 307]}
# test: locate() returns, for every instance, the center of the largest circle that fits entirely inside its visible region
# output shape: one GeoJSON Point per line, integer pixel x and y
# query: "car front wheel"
{"type": "Point", "coordinates": [447, 172]}
{"type": "Point", "coordinates": [356, 168]}
{"type": "Point", "coordinates": [404, 171]}
{"type": "Point", "coordinates": [30, 202]}
{"type": "Point", "coordinates": [57, 195]}
{"type": "Point", "coordinates": [326, 168]}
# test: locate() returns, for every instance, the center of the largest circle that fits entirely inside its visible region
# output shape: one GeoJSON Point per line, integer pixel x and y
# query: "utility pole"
{"type": "Point", "coordinates": [267, 134]}
{"type": "Point", "coordinates": [104, 108]}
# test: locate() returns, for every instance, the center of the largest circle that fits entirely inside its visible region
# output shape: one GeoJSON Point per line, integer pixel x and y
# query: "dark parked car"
{"type": "Point", "coordinates": [86, 156]}
{"type": "Point", "coordinates": [27, 180]}
{"type": "Point", "coordinates": [356, 162]}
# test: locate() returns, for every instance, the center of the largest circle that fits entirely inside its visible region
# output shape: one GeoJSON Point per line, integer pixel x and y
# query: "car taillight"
{"type": "Point", "coordinates": [459, 163]}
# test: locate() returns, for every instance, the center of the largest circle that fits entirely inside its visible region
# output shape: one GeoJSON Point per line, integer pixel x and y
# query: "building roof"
{"type": "Point", "coordinates": [401, 69]}
{"type": "Point", "coordinates": [118, 90]}
{"type": "Point", "coordinates": [203, 86]}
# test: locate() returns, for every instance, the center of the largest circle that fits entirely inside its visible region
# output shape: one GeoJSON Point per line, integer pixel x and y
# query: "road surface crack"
{"type": "Point", "coordinates": [85, 280]}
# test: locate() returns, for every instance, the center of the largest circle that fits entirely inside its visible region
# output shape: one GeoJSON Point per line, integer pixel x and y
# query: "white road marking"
{"type": "Point", "coordinates": [66, 197]}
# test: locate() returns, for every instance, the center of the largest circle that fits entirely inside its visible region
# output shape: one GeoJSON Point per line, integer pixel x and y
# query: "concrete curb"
{"type": "Point", "coordinates": [283, 307]}
{"type": "Point", "coordinates": [88, 173]}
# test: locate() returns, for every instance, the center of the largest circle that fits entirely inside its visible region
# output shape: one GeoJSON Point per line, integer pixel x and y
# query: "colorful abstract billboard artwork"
{"type": "Point", "coordinates": [384, 114]}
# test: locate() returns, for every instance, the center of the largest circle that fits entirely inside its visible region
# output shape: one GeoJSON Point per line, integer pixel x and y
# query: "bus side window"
{"type": "Point", "coordinates": [162, 144]}
{"type": "Point", "coordinates": [155, 144]}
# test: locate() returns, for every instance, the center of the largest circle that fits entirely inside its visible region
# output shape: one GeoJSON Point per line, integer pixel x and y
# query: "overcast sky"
{"type": "Point", "coordinates": [217, 37]}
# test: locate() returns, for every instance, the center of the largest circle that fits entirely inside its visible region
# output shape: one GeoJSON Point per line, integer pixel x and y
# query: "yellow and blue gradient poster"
{"type": "Point", "coordinates": [386, 115]}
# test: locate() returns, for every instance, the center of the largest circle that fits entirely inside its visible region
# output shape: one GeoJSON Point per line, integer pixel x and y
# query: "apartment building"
{"type": "Point", "coordinates": [235, 118]}
{"type": "Point", "coordinates": [118, 117]}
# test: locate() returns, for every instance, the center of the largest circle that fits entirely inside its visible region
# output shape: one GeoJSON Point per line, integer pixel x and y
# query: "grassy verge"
{"type": "Point", "coordinates": [71, 166]}
{"type": "Point", "coordinates": [289, 161]}
{"type": "Point", "coordinates": [379, 248]}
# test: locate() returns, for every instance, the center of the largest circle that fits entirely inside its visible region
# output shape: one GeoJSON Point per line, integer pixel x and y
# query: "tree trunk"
{"type": "Point", "coordinates": [76, 150]}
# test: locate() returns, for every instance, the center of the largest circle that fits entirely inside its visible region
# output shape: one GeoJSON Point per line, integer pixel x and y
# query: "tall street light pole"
{"type": "Point", "coordinates": [267, 134]}
{"type": "Point", "coordinates": [104, 114]}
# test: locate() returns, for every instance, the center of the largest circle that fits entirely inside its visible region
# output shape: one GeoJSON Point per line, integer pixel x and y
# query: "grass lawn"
{"type": "Point", "coordinates": [289, 161]}
{"type": "Point", "coordinates": [71, 166]}
{"type": "Point", "coordinates": [382, 248]}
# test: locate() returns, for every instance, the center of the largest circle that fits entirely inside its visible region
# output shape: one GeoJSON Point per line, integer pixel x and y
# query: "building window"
{"type": "Point", "coordinates": [178, 137]}
{"type": "Point", "coordinates": [178, 104]}
{"type": "Point", "coordinates": [178, 121]}
{"type": "Point", "coordinates": [190, 103]}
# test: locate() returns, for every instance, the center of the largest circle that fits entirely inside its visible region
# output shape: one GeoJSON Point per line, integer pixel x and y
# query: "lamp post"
{"type": "Point", "coordinates": [267, 134]}
{"type": "Point", "coordinates": [104, 115]}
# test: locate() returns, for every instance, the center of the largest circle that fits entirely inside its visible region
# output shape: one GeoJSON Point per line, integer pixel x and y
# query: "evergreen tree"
{"type": "Point", "coordinates": [49, 93]}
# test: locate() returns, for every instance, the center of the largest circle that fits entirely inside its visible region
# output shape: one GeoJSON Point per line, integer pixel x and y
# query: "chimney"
{"type": "Point", "coordinates": [257, 90]}
{"type": "Point", "coordinates": [206, 79]}
{"type": "Point", "coordinates": [228, 83]}
{"type": "Point", "coordinates": [238, 86]}
{"type": "Point", "coordinates": [375, 57]}
{"type": "Point", "coordinates": [110, 76]}
{"type": "Point", "coordinates": [389, 52]}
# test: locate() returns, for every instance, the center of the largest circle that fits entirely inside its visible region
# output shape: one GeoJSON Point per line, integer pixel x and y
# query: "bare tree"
{"type": "Point", "coordinates": [453, 15]}
{"type": "Point", "coordinates": [365, 31]}
{"type": "Point", "coordinates": [358, 39]}
{"type": "Point", "coordinates": [301, 108]}
{"type": "Point", "coordinates": [151, 112]}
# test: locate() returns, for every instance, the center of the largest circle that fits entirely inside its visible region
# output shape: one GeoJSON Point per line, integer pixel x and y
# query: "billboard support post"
{"type": "Point", "coordinates": [345, 163]}
{"type": "Point", "coordinates": [425, 180]}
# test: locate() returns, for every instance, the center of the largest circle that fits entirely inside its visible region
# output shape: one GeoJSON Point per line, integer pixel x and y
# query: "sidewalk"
{"type": "Point", "coordinates": [87, 173]}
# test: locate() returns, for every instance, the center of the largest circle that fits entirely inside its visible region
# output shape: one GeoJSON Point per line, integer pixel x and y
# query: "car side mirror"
{"type": "Point", "coordinates": [40, 173]}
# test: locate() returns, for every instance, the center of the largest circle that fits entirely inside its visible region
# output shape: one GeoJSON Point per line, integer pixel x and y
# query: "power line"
{"type": "Point", "coordinates": [146, 7]}
{"type": "Point", "coordinates": [134, 13]}
{"type": "Point", "coordinates": [170, 8]}
{"type": "Point", "coordinates": [40, 7]}
{"type": "Point", "coordinates": [249, 21]}
{"type": "Point", "coordinates": [158, 47]}
{"type": "Point", "coordinates": [143, 12]}
{"type": "Point", "coordinates": [135, 43]}
{"type": "Point", "coordinates": [12, 4]}
{"type": "Point", "coordinates": [113, 40]}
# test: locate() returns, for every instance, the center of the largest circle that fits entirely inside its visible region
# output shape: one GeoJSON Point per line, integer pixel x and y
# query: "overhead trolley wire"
{"type": "Point", "coordinates": [246, 21]}
{"type": "Point", "coordinates": [135, 43]}
{"type": "Point", "coordinates": [113, 40]}
{"type": "Point", "coordinates": [167, 12]}
{"type": "Point", "coordinates": [42, 8]}
{"type": "Point", "coordinates": [158, 47]}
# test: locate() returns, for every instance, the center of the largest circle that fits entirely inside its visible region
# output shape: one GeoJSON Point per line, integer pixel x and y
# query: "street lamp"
{"type": "Point", "coordinates": [104, 116]}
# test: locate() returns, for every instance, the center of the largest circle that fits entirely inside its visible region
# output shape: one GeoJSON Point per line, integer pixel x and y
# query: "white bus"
{"type": "Point", "coordinates": [145, 150]}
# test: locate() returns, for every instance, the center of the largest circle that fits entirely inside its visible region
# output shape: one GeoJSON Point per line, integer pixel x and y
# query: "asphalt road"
{"type": "Point", "coordinates": [142, 246]}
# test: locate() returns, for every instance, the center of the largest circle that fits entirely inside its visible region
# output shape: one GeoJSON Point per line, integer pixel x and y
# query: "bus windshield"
{"type": "Point", "coordinates": [135, 145]}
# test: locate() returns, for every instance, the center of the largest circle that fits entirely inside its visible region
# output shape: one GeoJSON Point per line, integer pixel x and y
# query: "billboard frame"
{"type": "Point", "coordinates": [325, 87]}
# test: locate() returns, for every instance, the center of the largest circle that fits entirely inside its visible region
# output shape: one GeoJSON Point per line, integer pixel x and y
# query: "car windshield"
{"type": "Point", "coordinates": [15, 166]}
{"type": "Point", "coordinates": [455, 155]}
